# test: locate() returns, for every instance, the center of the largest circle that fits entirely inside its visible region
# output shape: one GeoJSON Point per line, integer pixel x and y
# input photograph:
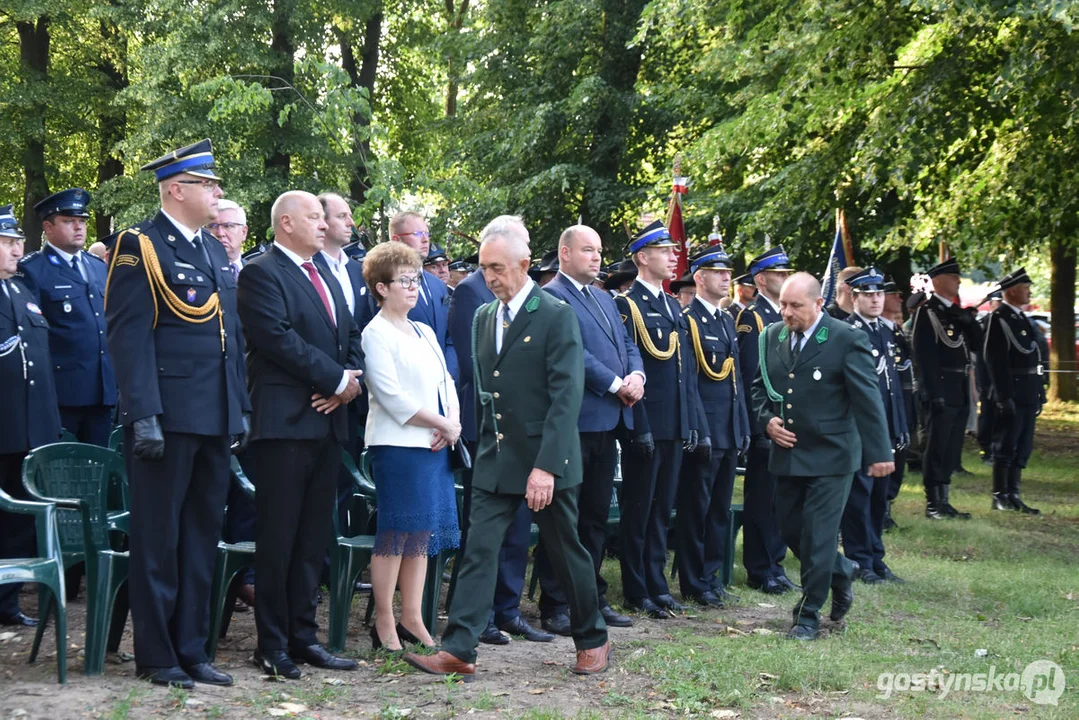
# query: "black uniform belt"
{"type": "Point", "coordinates": [1027, 371]}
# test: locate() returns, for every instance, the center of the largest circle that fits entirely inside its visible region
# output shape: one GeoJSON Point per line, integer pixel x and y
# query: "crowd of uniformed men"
{"type": "Point", "coordinates": [151, 341]}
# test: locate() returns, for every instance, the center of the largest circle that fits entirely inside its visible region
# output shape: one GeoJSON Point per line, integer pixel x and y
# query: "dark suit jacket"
{"type": "Point", "coordinates": [838, 418]}
{"type": "Point", "coordinates": [294, 350]}
{"type": "Point", "coordinates": [177, 369]}
{"type": "Point", "coordinates": [30, 417]}
{"type": "Point", "coordinates": [608, 353]}
{"type": "Point", "coordinates": [723, 401]}
{"type": "Point", "coordinates": [469, 295]}
{"type": "Point", "coordinates": [670, 408]}
{"type": "Point", "coordinates": [1013, 358]}
{"type": "Point", "coordinates": [435, 313]}
{"type": "Point", "coordinates": [942, 370]}
{"type": "Point", "coordinates": [535, 385]}
{"type": "Point", "coordinates": [885, 351]}
{"type": "Point", "coordinates": [75, 309]}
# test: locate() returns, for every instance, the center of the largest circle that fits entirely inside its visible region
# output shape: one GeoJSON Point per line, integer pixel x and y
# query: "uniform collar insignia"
{"type": "Point", "coordinates": [783, 334]}
{"type": "Point", "coordinates": [532, 305]}
{"type": "Point", "coordinates": [821, 335]}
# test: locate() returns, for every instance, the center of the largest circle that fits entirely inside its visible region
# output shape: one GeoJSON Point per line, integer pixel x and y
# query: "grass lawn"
{"type": "Point", "coordinates": [996, 592]}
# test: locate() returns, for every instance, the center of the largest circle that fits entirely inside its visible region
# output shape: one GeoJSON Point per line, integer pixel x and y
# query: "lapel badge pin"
{"type": "Point", "coordinates": [191, 295]}
{"type": "Point", "coordinates": [67, 307]}
{"type": "Point", "coordinates": [171, 238]}
{"type": "Point", "coordinates": [816, 373]}
{"type": "Point", "coordinates": [532, 305]}
{"type": "Point", "coordinates": [528, 338]}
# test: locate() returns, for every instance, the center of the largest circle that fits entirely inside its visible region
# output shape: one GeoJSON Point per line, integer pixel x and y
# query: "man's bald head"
{"type": "Point", "coordinates": [299, 222]}
{"type": "Point", "coordinates": [580, 253]}
{"type": "Point", "coordinates": [800, 301]}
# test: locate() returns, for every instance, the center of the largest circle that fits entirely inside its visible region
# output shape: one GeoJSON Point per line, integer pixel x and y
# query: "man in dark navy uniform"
{"type": "Point", "coordinates": [943, 334]}
{"type": "Point", "coordinates": [762, 546]}
{"type": "Point", "coordinates": [1014, 361]}
{"type": "Point", "coordinates": [745, 292]}
{"type": "Point", "coordinates": [614, 382]}
{"type": "Point", "coordinates": [904, 365]}
{"type": "Point", "coordinates": [30, 416]}
{"type": "Point", "coordinates": [707, 480]}
{"type": "Point", "coordinates": [862, 524]}
{"type": "Point", "coordinates": [175, 338]}
{"type": "Point", "coordinates": [70, 286]}
{"type": "Point", "coordinates": [986, 407]}
{"type": "Point", "coordinates": [666, 421]}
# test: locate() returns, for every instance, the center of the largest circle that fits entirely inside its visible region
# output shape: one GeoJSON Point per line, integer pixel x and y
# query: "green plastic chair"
{"type": "Point", "coordinates": [349, 556]}
{"type": "Point", "coordinates": [231, 559]}
{"type": "Point", "coordinates": [47, 571]}
{"type": "Point", "coordinates": [77, 478]}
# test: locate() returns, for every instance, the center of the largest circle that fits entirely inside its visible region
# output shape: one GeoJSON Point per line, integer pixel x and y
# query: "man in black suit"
{"type": "Point", "coordinates": [303, 363]}
{"type": "Point", "coordinates": [30, 417]}
{"type": "Point", "coordinates": [468, 296]}
{"type": "Point", "coordinates": [175, 340]}
{"type": "Point", "coordinates": [614, 383]}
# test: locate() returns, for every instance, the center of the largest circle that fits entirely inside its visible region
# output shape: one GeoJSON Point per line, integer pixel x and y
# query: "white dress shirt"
{"type": "Point", "coordinates": [807, 334]}
{"type": "Point", "coordinates": [515, 307]}
{"type": "Point", "coordinates": [406, 372]}
{"type": "Point", "coordinates": [67, 258]}
{"type": "Point", "coordinates": [339, 270]}
{"type": "Point", "coordinates": [187, 232]}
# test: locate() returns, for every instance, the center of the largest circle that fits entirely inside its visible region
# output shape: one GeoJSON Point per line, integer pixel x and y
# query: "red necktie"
{"type": "Point", "coordinates": [317, 282]}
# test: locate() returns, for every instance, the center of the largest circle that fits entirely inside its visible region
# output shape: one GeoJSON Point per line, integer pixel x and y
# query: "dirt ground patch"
{"type": "Point", "coordinates": [521, 678]}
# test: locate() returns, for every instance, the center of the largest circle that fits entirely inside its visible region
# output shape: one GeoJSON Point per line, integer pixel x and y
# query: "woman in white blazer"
{"type": "Point", "coordinates": [412, 423]}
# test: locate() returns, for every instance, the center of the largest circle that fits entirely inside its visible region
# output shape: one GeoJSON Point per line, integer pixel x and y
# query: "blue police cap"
{"type": "Point", "coordinates": [196, 159]}
{"type": "Point", "coordinates": [890, 287]}
{"type": "Point", "coordinates": [461, 266]}
{"type": "Point", "coordinates": [746, 280]}
{"type": "Point", "coordinates": [710, 258]}
{"type": "Point", "coordinates": [775, 259]}
{"type": "Point", "coordinates": [948, 267]}
{"type": "Point", "coordinates": [434, 254]}
{"type": "Point", "coordinates": [1016, 277]}
{"type": "Point", "coordinates": [868, 280]}
{"type": "Point", "coordinates": [655, 235]}
{"type": "Point", "coordinates": [9, 226]}
{"type": "Point", "coordinates": [71, 202]}
{"type": "Point", "coordinates": [995, 295]}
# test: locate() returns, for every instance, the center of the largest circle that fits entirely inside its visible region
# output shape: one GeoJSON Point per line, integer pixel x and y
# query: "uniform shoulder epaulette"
{"type": "Point", "coordinates": [623, 294]}
{"type": "Point", "coordinates": [685, 310]}
{"type": "Point", "coordinates": [31, 257]}
{"type": "Point", "coordinates": [741, 327]}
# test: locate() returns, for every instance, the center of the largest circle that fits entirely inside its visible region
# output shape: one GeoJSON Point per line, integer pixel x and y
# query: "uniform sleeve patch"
{"type": "Point", "coordinates": [127, 259]}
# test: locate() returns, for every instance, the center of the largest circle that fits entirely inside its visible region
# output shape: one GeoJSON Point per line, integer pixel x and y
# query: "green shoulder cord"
{"type": "Point", "coordinates": [485, 397]}
{"type": "Point", "coordinates": [763, 362]}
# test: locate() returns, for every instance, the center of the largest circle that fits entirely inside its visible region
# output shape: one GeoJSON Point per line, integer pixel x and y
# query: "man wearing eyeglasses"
{"type": "Point", "coordinates": [174, 336]}
{"type": "Point", "coordinates": [433, 305]}
{"type": "Point", "coordinates": [230, 229]}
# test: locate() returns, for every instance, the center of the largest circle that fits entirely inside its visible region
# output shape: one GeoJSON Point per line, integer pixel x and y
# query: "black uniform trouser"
{"type": "Point", "coordinates": [492, 514]}
{"type": "Point", "coordinates": [649, 487]}
{"type": "Point", "coordinates": [599, 458]}
{"type": "Point", "coordinates": [809, 510]}
{"type": "Point", "coordinates": [1013, 436]}
{"type": "Point", "coordinates": [945, 427]}
{"type": "Point", "coordinates": [177, 509]}
{"type": "Point", "coordinates": [704, 506]}
{"type": "Point", "coordinates": [91, 424]}
{"type": "Point", "coordinates": [512, 554]}
{"type": "Point", "coordinates": [895, 480]}
{"type": "Point", "coordinates": [762, 545]}
{"type": "Point", "coordinates": [986, 416]}
{"type": "Point", "coordinates": [862, 524]}
{"type": "Point", "coordinates": [18, 536]}
{"type": "Point", "coordinates": [297, 485]}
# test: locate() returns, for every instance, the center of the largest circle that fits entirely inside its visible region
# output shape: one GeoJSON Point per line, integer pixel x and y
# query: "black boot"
{"type": "Point", "coordinates": [932, 502]}
{"type": "Point", "coordinates": [889, 522]}
{"type": "Point", "coordinates": [1013, 492]}
{"type": "Point", "coordinates": [1001, 499]}
{"type": "Point", "coordinates": [946, 507]}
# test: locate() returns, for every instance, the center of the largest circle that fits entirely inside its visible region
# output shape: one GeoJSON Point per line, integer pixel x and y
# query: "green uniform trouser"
{"type": "Point", "coordinates": [491, 514]}
{"type": "Point", "coordinates": [809, 510]}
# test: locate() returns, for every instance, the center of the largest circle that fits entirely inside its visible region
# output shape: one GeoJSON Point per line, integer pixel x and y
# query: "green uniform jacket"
{"type": "Point", "coordinates": [829, 400]}
{"type": "Point", "coordinates": [528, 396]}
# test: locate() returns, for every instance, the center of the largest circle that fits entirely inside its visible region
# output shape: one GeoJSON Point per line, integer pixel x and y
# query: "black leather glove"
{"type": "Point", "coordinates": [704, 448]}
{"type": "Point", "coordinates": [902, 442]}
{"type": "Point", "coordinates": [1006, 407]}
{"type": "Point", "coordinates": [743, 446]}
{"type": "Point", "coordinates": [691, 444]}
{"type": "Point", "coordinates": [239, 442]}
{"type": "Point", "coordinates": [149, 441]}
{"type": "Point", "coordinates": [645, 445]}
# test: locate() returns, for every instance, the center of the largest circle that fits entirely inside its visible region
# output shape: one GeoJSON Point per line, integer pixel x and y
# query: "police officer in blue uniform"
{"type": "Point", "coordinates": [862, 525]}
{"type": "Point", "coordinates": [30, 416]}
{"type": "Point", "coordinates": [762, 546]}
{"type": "Point", "coordinates": [175, 338]}
{"type": "Point", "coordinates": [666, 421]}
{"type": "Point", "coordinates": [943, 335]}
{"type": "Point", "coordinates": [707, 479]}
{"type": "Point", "coordinates": [70, 286]}
{"type": "Point", "coordinates": [1014, 362]}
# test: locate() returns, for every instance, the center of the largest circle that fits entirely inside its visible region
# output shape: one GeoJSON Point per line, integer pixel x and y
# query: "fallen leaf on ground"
{"type": "Point", "coordinates": [536, 691]}
{"type": "Point", "coordinates": [765, 605]}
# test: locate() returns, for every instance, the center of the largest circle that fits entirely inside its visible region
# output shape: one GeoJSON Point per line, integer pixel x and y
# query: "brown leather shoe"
{"type": "Point", "coordinates": [590, 662]}
{"type": "Point", "coordinates": [442, 663]}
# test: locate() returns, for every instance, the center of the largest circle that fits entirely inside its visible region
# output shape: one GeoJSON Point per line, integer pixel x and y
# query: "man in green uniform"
{"type": "Point", "coordinates": [528, 367]}
{"type": "Point", "coordinates": [817, 398]}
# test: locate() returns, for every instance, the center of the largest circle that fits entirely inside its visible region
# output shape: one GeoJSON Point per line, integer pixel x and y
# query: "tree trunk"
{"type": "Point", "coordinates": [34, 61]}
{"type": "Point", "coordinates": [1062, 264]}
{"type": "Point", "coordinates": [362, 75]}
{"type": "Point", "coordinates": [112, 120]}
{"type": "Point", "coordinates": [456, 18]}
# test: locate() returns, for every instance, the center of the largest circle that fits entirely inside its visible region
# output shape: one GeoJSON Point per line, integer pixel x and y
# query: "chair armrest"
{"type": "Point", "coordinates": [48, 531]}
{"type": "Point", "coordinates": [120, 522]}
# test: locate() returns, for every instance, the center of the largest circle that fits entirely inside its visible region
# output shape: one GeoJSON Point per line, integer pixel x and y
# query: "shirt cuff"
{"type": "Point", "coordinates": [343, 384]}
{"type": "Point", "coordinates": [644, 378]}
{"type": "Point", "coordinates": [616, 385]}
